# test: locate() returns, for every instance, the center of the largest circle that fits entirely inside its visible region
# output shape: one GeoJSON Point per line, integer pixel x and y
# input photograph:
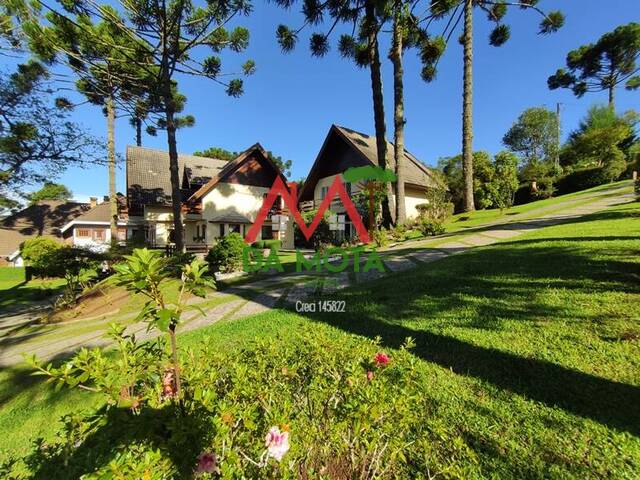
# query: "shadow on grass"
{"type": "Point", "coordinates": [177, 435]}
{"type": "Point", "coordinates": [493, 287]}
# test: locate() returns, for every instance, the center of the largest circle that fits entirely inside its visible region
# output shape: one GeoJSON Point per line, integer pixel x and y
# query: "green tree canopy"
{"type": "Point", "coordinates": [50, 191]}
{"type": "Point", "coordinates": [534, 136]}
{"type": "Point", "coordinates": [217, 152]}
{"type": "Point", "coordinates": [603, 65]}
{"type": "Point", "coordinates": [223, 154]}
{"type": "Point", "coordinates": [603, 139]}
{"type": "Point", "coordinates": [37, 139]}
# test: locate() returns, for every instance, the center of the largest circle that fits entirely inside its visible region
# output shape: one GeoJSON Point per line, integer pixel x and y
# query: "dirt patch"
{"type": "Point", "coordinates": [99, 301]}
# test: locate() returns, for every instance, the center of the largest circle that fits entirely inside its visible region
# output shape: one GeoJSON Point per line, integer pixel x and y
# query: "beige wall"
{"type": "Point", "coordinates": [413, 196]}
{"type": "Point", "coordinates": [231, 198]}
{"type": "Point", "coordinates": [163, 220]}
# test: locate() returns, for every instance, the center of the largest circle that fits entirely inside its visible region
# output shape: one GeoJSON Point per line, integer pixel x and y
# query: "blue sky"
{"type": "Point", "coordinates": [291, 101]}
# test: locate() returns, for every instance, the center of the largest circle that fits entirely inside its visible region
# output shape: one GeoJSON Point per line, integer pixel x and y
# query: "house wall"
{"type": "Point", "coordinates": [90, 235]}
{"type": "Point", "coordinates": [231, 198]}
{"type": "Point", "coordinates": [162, 219]}
{"type": "Point", "coordinates": [413, 196]}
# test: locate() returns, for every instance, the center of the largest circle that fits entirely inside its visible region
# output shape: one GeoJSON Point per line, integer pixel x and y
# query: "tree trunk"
{"type": "Point", "coordinates": [398, 114]}
{"type": "Point", "coordinates": [111, 153]}
{"type": "Point", "coordinates": [378, 104]}
{"type": "Point", "coordinates": [612, 97]}
{"type": "Point", "coordinates": [138, 122]}
{"type": "Point", "coordinates": [467, 109]}
{"type": "Point", "coordinates": [176, 196]}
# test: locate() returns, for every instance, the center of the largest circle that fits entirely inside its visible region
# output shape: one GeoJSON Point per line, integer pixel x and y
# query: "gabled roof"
{"type": "Point", "coordinates": [364, 146]}
{"type": "Point", "coordinates": [98, 215]}
{"type": "Point", "coordinates": [231, 167]}
{"type": "Point", "coordinates": [45, 218]}
{"type": "Point", "coordinates": [416, 172]}
{"type": "Point", "coordinates": [149, 178]}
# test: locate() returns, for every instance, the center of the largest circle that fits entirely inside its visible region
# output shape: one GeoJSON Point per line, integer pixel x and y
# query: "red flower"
{"type": "Point", "coordinates": [207, 463]}
{"type": "Point", "coordinates": [169, 387]}
{"type": "Point", "coordinates": [381, 359]}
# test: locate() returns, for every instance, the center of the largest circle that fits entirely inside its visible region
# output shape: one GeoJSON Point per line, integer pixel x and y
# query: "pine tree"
{"type": "Point", "coordinates": [495, 10]}
{"type": "Point", "coordinates": [603, 65]}
{"type": "Point", "coordinates": [97, 54]}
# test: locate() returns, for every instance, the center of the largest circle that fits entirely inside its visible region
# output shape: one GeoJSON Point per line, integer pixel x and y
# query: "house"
{"type": "Point", "coordinates": [45, 218]}
{"type": "Point", "coordinates": [92, 229]}
{"type": "Point", "coordinates": [218, 197]}
{"type": "Point", "coordinates": [344, 148]}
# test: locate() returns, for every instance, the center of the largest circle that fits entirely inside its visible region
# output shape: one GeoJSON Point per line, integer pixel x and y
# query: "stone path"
{"type": "Point", "coordinates": [265, 294]}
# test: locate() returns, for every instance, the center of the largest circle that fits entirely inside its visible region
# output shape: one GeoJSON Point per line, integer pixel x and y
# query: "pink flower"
{"type": "Point", "coordinates": [207, 463]}
{"type": "Point", "coordinates": [169, 387]}
{"type": "Point", "coordinates": [381, 359]}
{"type": "Point", "coordinates": [277, 443]}
{"type": "Point", "coordinates": [369, 375]}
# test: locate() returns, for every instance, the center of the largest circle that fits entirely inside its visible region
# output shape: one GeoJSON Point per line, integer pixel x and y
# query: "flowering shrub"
{"type": "Point", "coordinates": [320, 404]}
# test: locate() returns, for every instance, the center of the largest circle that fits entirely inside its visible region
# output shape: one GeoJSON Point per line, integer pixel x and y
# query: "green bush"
{"type": "Point", "coordinates": [636, 188]}
{"type": "Point", "coordinates": [582, 180]}
{"type": "Point", "coordinates": [380, 237]}
{"type": "Point", "coordinates": [37, 253]}
{"type": "Point", "coordinates": [273, 245]}
{"type": "Point", "coordinates": [258, 244]}
{"type": "Point", "coordinates": [226, 255]}
{"type": "Point", "coordinates": [398, 233]}
{"type": "Point", "coordinates": [430, 228]}
{"type": "Point", "coordinates": [328, 404]}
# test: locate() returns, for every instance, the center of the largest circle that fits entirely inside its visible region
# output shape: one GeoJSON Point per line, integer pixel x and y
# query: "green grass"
{"type": "Point", "coordinates": [467, 220]}
{"type": "Point", "coordinates": [14, 291]}
{"type": "Point", "coordinates": [531, 347]}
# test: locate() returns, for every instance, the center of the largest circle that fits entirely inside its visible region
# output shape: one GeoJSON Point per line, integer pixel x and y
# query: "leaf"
{"type": "Point", "coordinates": [165, 317]}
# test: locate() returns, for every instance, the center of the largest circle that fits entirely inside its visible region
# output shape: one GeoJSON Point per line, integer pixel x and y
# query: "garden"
{"type": "Point", "coordinates": [405, 385]}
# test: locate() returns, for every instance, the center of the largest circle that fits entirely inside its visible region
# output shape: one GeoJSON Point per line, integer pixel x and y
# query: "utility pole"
{"type": "Point", "coordinates": [558, 140]}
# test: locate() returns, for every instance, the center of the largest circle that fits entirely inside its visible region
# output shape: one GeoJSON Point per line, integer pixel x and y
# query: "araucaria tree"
{"type": "Point", "coordinates": [99, 56]}
{"type": "Point", "coordinates": [603, 65]}
{"type": "Point", "coordinates": [495, 11]}
{"type": "Point", "coordinates": [367, 19]}
{"type": "Point", "coordinates": [172, 31]}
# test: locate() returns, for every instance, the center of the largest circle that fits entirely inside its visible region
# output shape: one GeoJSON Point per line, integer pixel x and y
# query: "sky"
{"type": "Point", "coordinates": [292, 100]}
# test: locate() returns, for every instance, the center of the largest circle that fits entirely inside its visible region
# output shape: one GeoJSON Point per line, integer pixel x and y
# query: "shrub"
{"type": "Point", "coordinates": [37, 252]}
{"type": "Point", "coordinates": [636, 188]}
{"type": "Point", "coordinates": [321, 238]}
{"type": "Point", "coordinates": [226, 255]}
{"type": "Point", "coordinates": [582, 180]}
{"type": "Point", "coordinates": [398, 233]}
{"type": "Point", "coordinates": [430, 228]}
{"type": "Point", "coordinates": [273, 245]}
{"type": "Point", "coordinates": [176, 263]}
{"type": "Point", "coordinates": [380, 237]}
{"type": "Point", "coordinates": [328, 404]}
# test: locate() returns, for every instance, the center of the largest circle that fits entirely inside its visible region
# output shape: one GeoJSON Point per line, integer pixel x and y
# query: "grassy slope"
{"type": "Point", "coordinates": [467, 220]}
{"type": "Point", "coordinates": [531, 345]}
{"type": "Point", "coordinates": [14, 291]}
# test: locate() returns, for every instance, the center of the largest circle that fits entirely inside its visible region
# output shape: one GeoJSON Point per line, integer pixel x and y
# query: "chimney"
{"type": "Point", "coordinates": [93, 201]}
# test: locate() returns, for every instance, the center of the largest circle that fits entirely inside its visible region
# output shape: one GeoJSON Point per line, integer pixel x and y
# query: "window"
{"type": "Point", "coordinates": [221, 230]}
{"type": "Point", "coordinates": [234, 227]}
{"type": "Point", "coordinates": [266, 233]}
{"type": "Point", "coordinates": [98, 234]}
{"type": "Point", "coordinates": [83, 232]}
{"type": "Point", "coordinates": [323, 192]}
{"type": "Point", "coordinates": [347, 187]}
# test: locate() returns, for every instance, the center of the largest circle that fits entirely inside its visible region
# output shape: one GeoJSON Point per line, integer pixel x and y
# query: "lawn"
{"type": "Point", "coordinates": [463, 221]}
{"type": "Point", "coordinates": [531, 348]}
{"type": "Point", "coordinates": [14, 291]}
